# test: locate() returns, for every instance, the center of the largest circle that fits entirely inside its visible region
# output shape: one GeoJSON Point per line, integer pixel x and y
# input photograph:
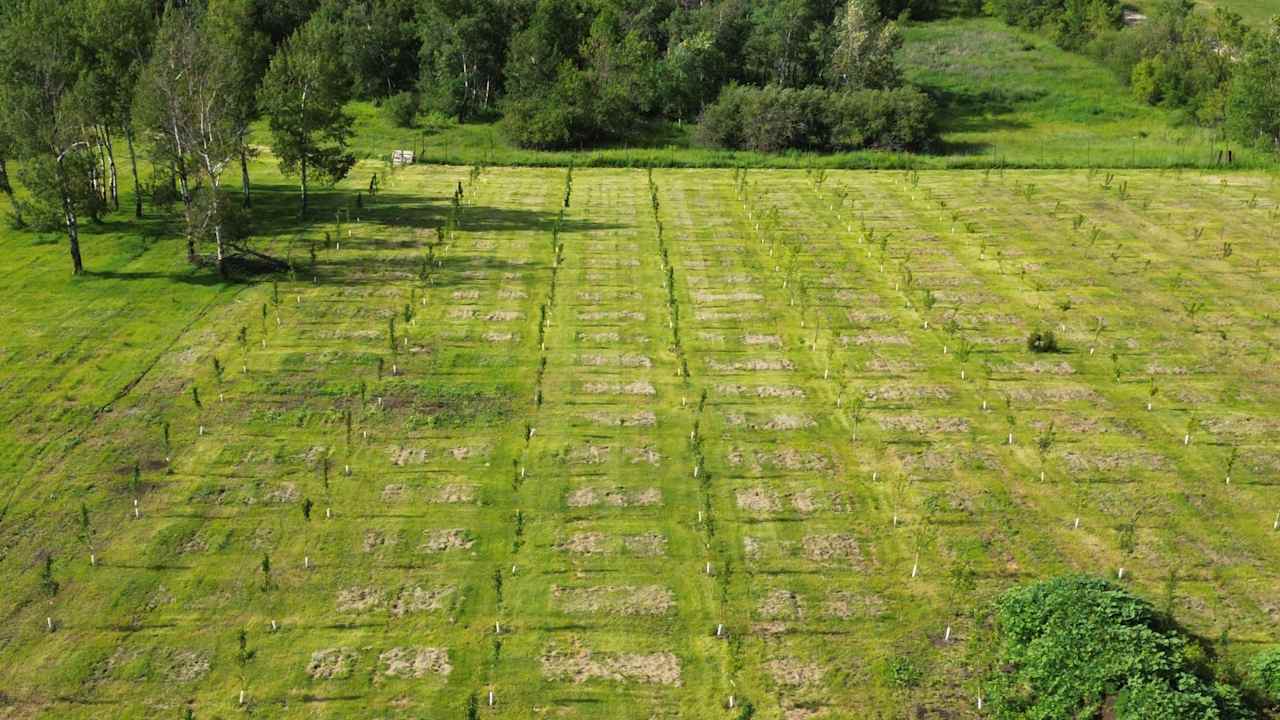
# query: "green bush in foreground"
{"type": "Point", "coordinates": [1264, 670]}
{"type": "Point", "coordinates": [1074, 645]}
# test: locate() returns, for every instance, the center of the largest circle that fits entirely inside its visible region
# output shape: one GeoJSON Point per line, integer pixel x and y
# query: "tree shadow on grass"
{"type": "Point", "coordinates": [275, 213]}
{"type": "Point", "coordinates": [199, 277]}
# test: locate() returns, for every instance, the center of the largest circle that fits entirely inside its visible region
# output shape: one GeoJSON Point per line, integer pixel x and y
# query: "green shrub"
{"type": "Point", "coordinates": [1042, 341]}
{"type": "Point", "coordinates": [773, 118]}
{"type": "Point", "coordinates": [1071, 24]}
{"type": "Point", "coordinates": [402, 108]}
{"type": "Point", "coordinates": [1264, 670]}
{"type": "Point", "coordinates": [1071, 644]}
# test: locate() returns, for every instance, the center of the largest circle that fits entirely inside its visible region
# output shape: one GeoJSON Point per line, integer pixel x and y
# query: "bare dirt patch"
{"type": "Point", "coordinates": [844, 605]}
{"type": "Point", "coordinates": [873, 339]}
{"type": "Point", "coordinates": [923, 424]}
{"type": "Point", "coordinates": [640, 418]}
{"type": "Point", "coordinates": [186, 665]}
{"type": "Point", "coordinates": [589, 454]}
{"type": "Point", "coordinates": [645, 544]}
{"type": "Point", "coordinates": [646, 455]}
{"type": "Point", "coordinates": [1060, 394]}
{"type": "Point", "coordinates": [614, 497]}
{"type": "Point", "coordinates": [626, 360]}
{"type": "Point", "coordinates": [438, 541]}
{"type": "Point", "coordinates": [767, 340]}
{"type": "Point", "coordinates": [332, 663]}
{"type": "Point", "coordinates": [376, 540]}
{"type": "Point", "coordinates": [783, 604]}
{"type": "Point", "coordinates": [758, 500]}
{"type": "Point", "coordinates": [585, 543]}
{"type": "Point", "coordinates": [610, 315]}
{"type": "Point", "coordinates": [402, 456]}
{"type": "Point", "coordinates": [286, 492]}
{"type": "Point", "coordinates": [706, 296]}
{"type": "Point", "coordinates": [903, 393]}
{"type": "Point", "coordinates": [782, 459]}
{"type": "Point", "coordinates": [1104, 462]}
{"type": "Point", "coordinates": [637, 387]}
{"type": "Point", "coordinates": [893, 367]}
{"type": "Point", "coordinates": [1042, 367]}
{"type": "Point", "coordinates": [792, 672]}
{"type": "Point", "coordinates": [453, 493]}
{"type": "Point", "coordinates": [576, 664]}
{"type": "Point", "coordinates": [359, 599]}
{"type": "Point", "coordinates": [615, 599]}
{"type": "Point", "coordinates": [832, 547]}
{"type": "Point", "coordinates": [415, 662]}
{"type": "Point", "coordinates": [418, 599]}
{"type": "Point", "coordinates": [760, 391]}
{"type": "Point", "coordinates": [750, 365]}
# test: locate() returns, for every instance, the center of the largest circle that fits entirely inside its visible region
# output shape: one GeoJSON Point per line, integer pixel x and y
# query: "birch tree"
{"type": "Point", "coordinates": [38, 73]}
{"type": "Point", "coordinates": [188, 96]}
{"type": "Point", "coordinates": [302, 95]}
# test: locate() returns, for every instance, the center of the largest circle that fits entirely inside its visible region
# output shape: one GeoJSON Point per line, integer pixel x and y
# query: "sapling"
{"type": "Point", "coordinates": [1231, 461]}
{"type": "Point", "coordinates": [195, 397]}
{"type": "Point", "coordinates": [1044, 443]}
{"type": "Point", "coordinates": [47, 582]}
{"type": "Point", "coordinates": [135, 481]}
{"type": "Point", "coordinates": [86, 533]}
{"type": "Point", "coordinates": [266, 571]}
{"type": "Point", "coordinates": [306, 509]}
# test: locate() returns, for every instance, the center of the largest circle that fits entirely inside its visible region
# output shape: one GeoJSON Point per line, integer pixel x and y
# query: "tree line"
{"type": "Point", "coordinates": [86, 85]}
{"type": "Point", "coordinates": [179, 84]}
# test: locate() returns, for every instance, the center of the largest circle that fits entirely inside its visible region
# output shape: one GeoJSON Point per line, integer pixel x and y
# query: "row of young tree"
{"type": "Point", "coordinates": [179, 84]}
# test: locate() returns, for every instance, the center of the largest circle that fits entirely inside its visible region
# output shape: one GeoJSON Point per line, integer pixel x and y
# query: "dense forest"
{"type": "Point", "coordinates": [87, 86]}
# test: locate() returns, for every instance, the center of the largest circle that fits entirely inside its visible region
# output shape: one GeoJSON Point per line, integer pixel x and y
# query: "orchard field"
{"type": "Point", "coordinates": [611, 444]}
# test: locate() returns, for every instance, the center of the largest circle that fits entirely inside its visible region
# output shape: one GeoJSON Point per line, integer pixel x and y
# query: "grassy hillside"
{"type": "Point", "coordinates": [1013, 95]}
{"type": "Point", "coordinates": [780, 441]}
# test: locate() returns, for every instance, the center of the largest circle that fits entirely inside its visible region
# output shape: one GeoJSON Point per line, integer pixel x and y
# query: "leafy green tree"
{"type": "Point", "coordinates": [38, 73]}
{"type": "Point", "coordinates": [463, 48]}
{"type": "Point", "coordinates": [380, 46]}
{"type": "Point", "coordinates": [302, 95]}
{"type": "Point", "coordinates": [865, 49]}
{"type": "Point", "coordinates": [7, 146]}
{"type": "Point", "coordinates": [244, 50]}
{"type": "Point", "coordinates": [1253, 108]}
{"type": "Point", "coordinates": [186, 99]}
{"type": "Point", "coordinates": [115, 41]}
{"type": "Point", "coordinates": [786, 44]}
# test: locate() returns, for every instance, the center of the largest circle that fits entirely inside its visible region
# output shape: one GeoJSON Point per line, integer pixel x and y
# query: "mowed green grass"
{"type": "Point", "coordinates": [1256, 13]}
{"type": "Point", "coordinates": [558, 485]}
{"type": "Point", "coordinates": [1012, 95]}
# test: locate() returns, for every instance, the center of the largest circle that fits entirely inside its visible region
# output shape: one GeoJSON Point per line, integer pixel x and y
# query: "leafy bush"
{"type": "Point", "coordinates": [1264, 670]}
{"type": "Point", "coordinates": [774, 118]}
{"type": "Point", "coordinates": [1071, 24]}
{"type": "Point", "coordinates": [1042, 341]}
{"type": "Point", "coordinates": [1071, 644]}
{"type": "Point", "coordinates": [402, 108]}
